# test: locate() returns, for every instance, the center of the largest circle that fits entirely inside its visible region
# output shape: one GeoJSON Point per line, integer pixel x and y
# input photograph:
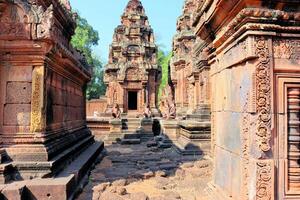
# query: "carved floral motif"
{"type": "Point", "coordinates": [37, 104]}
{"type": "Point", "coordinates": [264, 182]}
{"type": "Point", "coordinates": [287, 49]}
{"type": "Point", "coordinates": [263, 94]}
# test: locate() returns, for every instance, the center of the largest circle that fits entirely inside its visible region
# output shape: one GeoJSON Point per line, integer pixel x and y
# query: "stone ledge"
{"type": "Point", "coordinates": [191, 125]}
{"type": "Point", "coordinates": [62, 187]}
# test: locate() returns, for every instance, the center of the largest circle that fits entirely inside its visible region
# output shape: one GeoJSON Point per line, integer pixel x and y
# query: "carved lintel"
{"type": "Point", "coordinates": [38, 119]}
{"type": "Point", "coordinates": [287, 49]}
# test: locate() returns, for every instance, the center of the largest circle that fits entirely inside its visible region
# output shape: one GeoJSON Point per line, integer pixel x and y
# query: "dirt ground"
{"type": "Point", "coordinates": [138, 172]}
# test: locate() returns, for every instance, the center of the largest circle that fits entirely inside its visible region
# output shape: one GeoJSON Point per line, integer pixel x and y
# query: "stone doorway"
{"type": "Point", "coordinates": [132, 100]}
{"type": "Point", "coordinates": [288, 141]}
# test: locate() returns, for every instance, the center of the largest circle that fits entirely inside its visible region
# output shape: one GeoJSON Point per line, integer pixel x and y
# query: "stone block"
{"type": "Point", "coordinates": [14, 191]}
{"type": "Point", "coordinates": [58, 113]}
{"type": "Point", "coordinates": [18, 92]}
{"type": "Point", "coordinates": [170, 128]}
{"type": "Point", "coordinates": [20, 73]}
{"type": "Point", "coordinates": [147, 125]}
{"type": "Point", "coordinates": [17, 114]}
{"type": "Point", "coordinates": [115, 125]}
{"type": "Point", "coordinates": [223, 170]}
{"type": "Point", "coordinates": [236, 176]}
{"type": "Point", "coordinates": [228, 130]}
{"type": "Point", "coordinates": [58, 188]}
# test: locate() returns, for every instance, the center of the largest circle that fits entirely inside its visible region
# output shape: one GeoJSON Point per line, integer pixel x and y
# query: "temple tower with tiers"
{"type": "Point", "coordinates": [132, 73]}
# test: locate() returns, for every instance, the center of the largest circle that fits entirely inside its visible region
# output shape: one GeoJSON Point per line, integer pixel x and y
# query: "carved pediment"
{"type": "Point", "coordinates": [134, 74]}
{"type": "Point", "coordinates": [19, 19]}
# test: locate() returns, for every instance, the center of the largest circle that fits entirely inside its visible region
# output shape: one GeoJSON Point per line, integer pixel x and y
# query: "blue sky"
{"type": "Point", "coordinates": [104, 16]}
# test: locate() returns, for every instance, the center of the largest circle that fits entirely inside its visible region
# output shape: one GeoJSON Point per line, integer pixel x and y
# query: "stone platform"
{"type": "Point", "coordinates": [129, 129]}
{"type": "Point", "coordinates": [194, 138]}
{"type": "Point", "coordinates": [63, 186]}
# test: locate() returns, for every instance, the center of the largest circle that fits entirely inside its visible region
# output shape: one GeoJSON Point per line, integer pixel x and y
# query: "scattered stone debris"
{"type": "Point", "coordinates": [136, 172]}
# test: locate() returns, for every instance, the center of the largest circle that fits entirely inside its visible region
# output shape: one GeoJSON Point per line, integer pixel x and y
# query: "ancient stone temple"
{"type": "Point", "coordinates": [190, 131]}
{"type": "Point", "coordinates": [132, 74]}
{"type": "Point", "coordinates": [42, 105]}
{"type": "Point", "coordinates": [189, 69]}
{"type": "Point", "coordinates": [252, 49]}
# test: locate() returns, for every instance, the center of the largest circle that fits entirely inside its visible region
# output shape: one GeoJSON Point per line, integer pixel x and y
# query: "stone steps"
{"type": "Point", "coordinates": [130, 141]}
{"type": "Point", "coordinates": [63, 187]}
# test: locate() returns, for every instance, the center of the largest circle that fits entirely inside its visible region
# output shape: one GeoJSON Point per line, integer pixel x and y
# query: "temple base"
{"type": "Point", "coordinates": [64, 186]}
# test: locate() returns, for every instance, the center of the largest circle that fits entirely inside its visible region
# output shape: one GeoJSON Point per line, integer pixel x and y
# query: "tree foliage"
{"type": "Point", "coordinates": [164, 62]}
{"type": "Point", "coordinates": [84, 39]}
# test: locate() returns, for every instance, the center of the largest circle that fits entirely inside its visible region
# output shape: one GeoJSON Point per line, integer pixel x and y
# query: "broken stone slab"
{"type": "Point", "coordinates": [14, 191]}
{"type": "Point", "coordinates": [151, 144]}
{"type": "Point", "coordinates": [130, 141]}
{"type": "Point", "coordinates": [168, 166]}
{"type": "Point", "coordinates": [58, 188]}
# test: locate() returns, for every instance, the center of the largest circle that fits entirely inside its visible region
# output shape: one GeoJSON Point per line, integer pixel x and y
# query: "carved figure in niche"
{"type": "Point", "coordinates": [164, 109]}
{"type": "Point", "coordinates": [169, 95]}
{"type": "Point", "coordinates": [191, 95]}
{"type": "Point", "coordinates": [172, 111]}
{"type": "Point", "coordinates": [147, 112]}
{"type": "Point", "coordinates": [116, 112]}
{"type": "Point", "coordinates": [114, 95]}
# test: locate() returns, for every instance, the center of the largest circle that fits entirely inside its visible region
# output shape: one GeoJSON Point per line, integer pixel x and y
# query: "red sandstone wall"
{"type": "Point", "coordinates": [15, 98]}
{"type": "Point", "coordinates": [96, 105]}
{"type": "Point", "coordinates": [65, 102]}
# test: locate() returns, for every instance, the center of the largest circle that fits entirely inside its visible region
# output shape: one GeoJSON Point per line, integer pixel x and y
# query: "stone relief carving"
{"type": "Point", "coordinates": [37, 100]}
{"type": "Point", "coordinates": [263, 94]}
{"type": "Point", "coordinates": [286, 49]}
{"type": "Point", "coordinates": [46, 22]}
{"type": "Point", "coordinates": [245, 151]}
{"type": "Point", "coordinates": [264, 182]}
{"type": "Point", "coordinates": [14, 21]}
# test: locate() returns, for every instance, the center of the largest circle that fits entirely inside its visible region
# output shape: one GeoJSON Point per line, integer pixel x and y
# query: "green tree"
{"type": "Point", "coordinates": [84, 39]}
{"type": "Point", "coordinates": [163, 61]}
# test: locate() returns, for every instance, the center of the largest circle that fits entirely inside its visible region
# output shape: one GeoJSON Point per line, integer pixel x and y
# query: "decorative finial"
{"type": "Point", "coordinates": [67, 4]}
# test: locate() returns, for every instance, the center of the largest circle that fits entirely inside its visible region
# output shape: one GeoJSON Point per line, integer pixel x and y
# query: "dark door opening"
{"type": "Point", "coordinates": [132, 100]}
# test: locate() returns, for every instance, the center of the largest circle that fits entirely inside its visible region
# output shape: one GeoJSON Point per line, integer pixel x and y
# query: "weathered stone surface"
{"type": "Point", "coordinates": [139, 196]}
{"type": "Point", "coordinates": [127, 163]}
{"type": "Point", "coordinates": [42, 104]}
{"type": "Point", "coordinates": [132, 71]}
{"type": "Point", "coordinates": [18, 93]}
{"type": "Point", "coordinates": [109, 196]}
{"type": "Point", "coordinates": [253, 106]}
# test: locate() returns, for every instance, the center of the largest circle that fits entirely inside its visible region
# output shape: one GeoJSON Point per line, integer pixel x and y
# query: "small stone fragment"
{"type": "Point", "coordinates": [139, 196]}
{"type": "Point", "coordinates": [121, 191]}
{"type": "Point", "coordinates": [101, 188]}
{"type": "Point", "coordinates": [148, 175]}
{"type": "Point", "coordinates": [161, 173]}
{"type": "Point", "coordinates": [187, 165]}
{"type": "Point", "coordinates": [171, 195]}
{"type": "Point", "coordinates": [121, 182]}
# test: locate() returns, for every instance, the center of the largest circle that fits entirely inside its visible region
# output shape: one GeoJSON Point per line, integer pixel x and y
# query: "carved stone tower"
{"type": "Point", "coordinates": [132, 74]}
